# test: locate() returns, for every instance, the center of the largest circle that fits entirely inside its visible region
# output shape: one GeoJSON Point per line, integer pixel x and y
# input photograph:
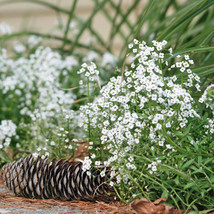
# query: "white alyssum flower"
{"type": "Point", "coordinates": [5, 29]}
{"type": "Point", "coordinates": [37, 75]}
{"type": "Point", "coordinates": [108, 58]}
{"type": "Point", "coordinates": [207, 97]}
{"type": "Point", "coordinates": [19, 47]}
{"type": "Point", "coordinates": [7, 131]}
{"type": "Point", "coordinates": [89, 70]}
{"type": "Point", "coordinates": [86, 164]}
{"type": "Point", "coordinates": [33, 41]}
{"type": "Point", "coordinates": [142, 105]}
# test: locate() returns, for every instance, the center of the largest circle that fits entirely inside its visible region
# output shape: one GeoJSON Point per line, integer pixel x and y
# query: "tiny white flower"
{"type": "Point", "coordinates": [154, 168]}
{"type": "Point", "coordinates": [52, 143]}
{"type": "Point", "coordinates": [111, 183]}
{"type": "Point", "coordinates": [93, 156]}
{"type": "Point", "coordinates": [35, 155]}
{"type": "Point", "coordinates": [97, 163]}
{"type": "Point", "coordinates": [102, 174]}
{"type": "Point", "coordinates": [130, 45]}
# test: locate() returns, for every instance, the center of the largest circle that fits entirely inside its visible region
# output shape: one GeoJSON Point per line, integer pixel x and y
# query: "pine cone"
{"type": "Point", "coordinates": [63, 180]}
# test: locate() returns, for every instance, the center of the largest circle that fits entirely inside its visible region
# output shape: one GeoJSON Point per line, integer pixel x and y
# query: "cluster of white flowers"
{"type": "Point", "coordinates": [35, 81]}
{"type": "Point", "coordinates": [153, 166]}
{"type": "Point", "coordinates": [57, 138]}
{"type": "Point", "coordinates": [207, 97]}
{"type": "Point", "coordinates": [19, 47]}
{"type": "Point", "coordinates": [89, 71]}
{"type": "Point", "coordinates": [210, 126]}
{"type": "Point", "coordinates": [34, 85]}
{"type": "Point", "coordinates": [86, 164]}
{"type": "Point", "coordinates": [5, 29]}
{"type": "Point", "coordinates": [92, 56]}
{"type": "Point", "coordinates": [183, 66]}
{"type": "Point", "coordinates": [32, 42]}
{"type": "Point", "coordinates": [7, 131]}
{"type": "Point", "coordinates": [108, 59]}
{"type": "Point", "coordinates": [144, 105]}
{"type": "Point", "coordinates": [61, 26]}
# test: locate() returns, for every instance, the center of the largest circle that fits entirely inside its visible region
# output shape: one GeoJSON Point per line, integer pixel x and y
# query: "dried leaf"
{"type": "Point", "coordinates": [156, 202]}
{"type": "Point", "coordinates": [143, 206]}
{"type": "Point", "coordinates": [82, 150]}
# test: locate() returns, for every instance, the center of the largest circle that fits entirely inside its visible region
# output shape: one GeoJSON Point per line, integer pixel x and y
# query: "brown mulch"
{"type": "Point", "coordinates": [8, 200]}
{"type": "Point", "coordinates": [139, 206]}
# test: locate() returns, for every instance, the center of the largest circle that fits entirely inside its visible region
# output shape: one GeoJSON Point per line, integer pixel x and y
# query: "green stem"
{"type": "Point", "coordinates": [180, 173]}
{"type": "Point", "coordinates": [140, 187]}
{"type": "Point", "coordinates": [89, 125]}
{"type": "Point", "coordinates": [160, 184]}
{"type": "Point", "coordinates": [139, 26]}
{"type": "Point", "coordinates": [52, 6]}
{"type": "Point", "coordinates": [183, 150]}
{"type": "Point", "coordinates": [73, 6]}
{"type": "Point", "coordinates": [189, 206]}
{"type": "Point", "coordinates": [109, 18]}
{"type": "Point", "coordinates": [182, 80]}
{"type": "Point", "coordinates": [87, 23]}
{"type": "Point", "coordinates": [125, 17]}
{"type": "Point", "coordinates": [47, 36]}
{"type": "Point", "coordinates": [162, 74]}
{"type": "Point", "coordinates": [113, 23]}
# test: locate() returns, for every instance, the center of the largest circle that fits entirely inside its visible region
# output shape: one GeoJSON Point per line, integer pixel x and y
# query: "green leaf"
{"type": "Point", "coordinates": [192, 12]}
{"type": "Point", "coordinates": [198, 38]}
{"type": "Point", "coordinates": [193, 50]}
{"type": "Point", "coordinates": [197, 171]}
{"type": "Point", "coordinates": [182, 134]}
{"type": "Point", "coordinates": [206, 72]}
{"type": "Point", "coordinates": [208, 160]}
{"type": "Point", "coordinates": [188, 163]}
{"type": "Point", "coordinates": [44, 3]}
{"type": "Point", "coordinates": [189, 185]}
{"type": "Point", "coordinates": [199, 160]}
{"type": "Point", "coordinates": [206, 211]}
{"type": "Point", "coordinates": [165, 194]}
{"type": "Point", "coordinates": [177, 180]}
{"type": "Point", "coordinates": [212, 178]}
